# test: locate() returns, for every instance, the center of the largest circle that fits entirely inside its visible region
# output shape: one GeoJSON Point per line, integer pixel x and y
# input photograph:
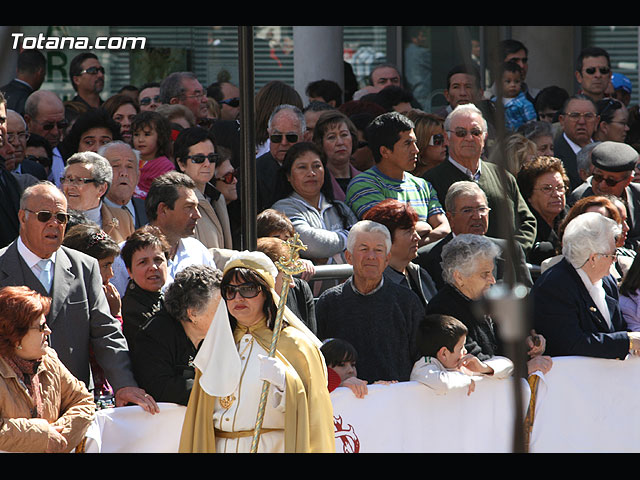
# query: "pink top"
{"type": "Point", "coordinates": [151, 170]}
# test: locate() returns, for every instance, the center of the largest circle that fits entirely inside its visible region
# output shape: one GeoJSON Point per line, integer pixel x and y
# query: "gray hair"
{"type": "Point", "coordinates": [295, 110]}
{"type": "Point", "coordinates": [9, 111]}
{"type": "Point", "coordinates": [463, 110]}
{"type": "Point", "coordinates": [33, 189]}
{"type": "Point", "coordinates": [367, 226]}
{"type": "Point", "coordinates": [583, 157]}
{"type": "Point", "coordinates": [118, 143]}
{"type": "Point", "coordinates": [461, 255]}
{"type": "Point", "coordinates": [588, 233]}
{"type": "Point", "coordinates": [102, 172]}
{"type": "Point", "coordinates": [192, 289]}
{"type": "Point", "coordinates": [461, 188]}
{"type": "Point", "coordinates": [171, 86]}
{"type": "Point", "coordinates": [536, 129]}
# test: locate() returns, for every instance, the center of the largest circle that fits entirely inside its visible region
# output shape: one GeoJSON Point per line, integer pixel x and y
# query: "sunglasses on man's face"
{"type": "Point", "coordinates": [246, 290]}
{"type": "Point", "coordinates": [612, 182]}
{"type": "Point", "coordinates": [44, 216]}
{"type": "Point", "coordinates": [62, 125]}
{"type": "Point", "coordinates": [228, 178]}
{"type": "Point", "coordinates": [147, 100]}
{"type": "Point", "coordinates": [200, 158]}
{"type": "Point", "coordinates": [277, 137]}
{"type": "Point", "coordinates": [93, 70]}
{"type": "Point", "coordinates": [592, 70]}
{"type": "Point", "coordinates": [232, 102]}
{"type": "Point", "coordinates": [463, 132]}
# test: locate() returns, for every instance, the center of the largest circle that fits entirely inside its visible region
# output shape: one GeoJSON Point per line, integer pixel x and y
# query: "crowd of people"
{"type": "Point", "coordinates": [123, 280]}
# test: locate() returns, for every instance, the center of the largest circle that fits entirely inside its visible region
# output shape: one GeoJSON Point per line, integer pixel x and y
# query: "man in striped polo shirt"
{"type": "Point", "coordinates": [393, 142]}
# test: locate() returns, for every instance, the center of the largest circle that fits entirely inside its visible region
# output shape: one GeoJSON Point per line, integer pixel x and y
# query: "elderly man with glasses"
{"type": "Point", "coordinates": [79, 317]}
{"type": "Point", "coordinates": [467, 131]}
{"type": "Point", "coordinates": [286, 127]}
{"type": "Point", "coordinates": [613, 171]}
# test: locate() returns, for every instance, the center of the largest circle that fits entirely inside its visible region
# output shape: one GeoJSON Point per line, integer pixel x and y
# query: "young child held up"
{"type": "Point", "coordinates": [443, 363]}
{"type": "Point", "coordinates": [517, 108]}
{"type": "Point", "coordinates": [341, 357]}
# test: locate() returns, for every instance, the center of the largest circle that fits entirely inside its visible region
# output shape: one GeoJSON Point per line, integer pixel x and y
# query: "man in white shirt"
{"type": "Point", "coordinates": [172, 206]}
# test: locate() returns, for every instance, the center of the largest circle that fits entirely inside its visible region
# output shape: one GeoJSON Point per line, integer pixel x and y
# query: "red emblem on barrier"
{"type": "Point", "coordinates": [350, 442]}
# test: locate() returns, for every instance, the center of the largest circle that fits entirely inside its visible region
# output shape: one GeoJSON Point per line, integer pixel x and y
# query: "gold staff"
{"type": "Point", "coordinates": [288, 267]}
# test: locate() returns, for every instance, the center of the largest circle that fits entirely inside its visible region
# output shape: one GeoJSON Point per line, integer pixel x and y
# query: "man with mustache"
{"type": "Point", "coordinates": [87, 78]}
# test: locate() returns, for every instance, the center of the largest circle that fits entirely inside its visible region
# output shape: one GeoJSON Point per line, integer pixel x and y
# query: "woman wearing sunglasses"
{"type": "Point", "coordinates": [43, 407]}
{"type": "Point", "coordinates": [432, 141]}
{"type": "Point", "coordinates": [233, 363]}
{"type": "Point", "coordinates": [613, 121]}
{"type": "Point", "coordinates": [196, 155]}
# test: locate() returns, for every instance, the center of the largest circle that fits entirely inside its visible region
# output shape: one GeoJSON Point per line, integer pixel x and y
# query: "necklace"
{"type": "Point", "coordinates": [226, 402]}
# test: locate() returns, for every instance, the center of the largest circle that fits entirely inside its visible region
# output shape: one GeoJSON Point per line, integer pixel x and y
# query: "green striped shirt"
{"type": "Point", "coordinates": [372, 186]}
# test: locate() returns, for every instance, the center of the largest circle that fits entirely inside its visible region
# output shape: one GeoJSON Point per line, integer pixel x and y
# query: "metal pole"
{"type": "Point", "coordinates": [248, 237]}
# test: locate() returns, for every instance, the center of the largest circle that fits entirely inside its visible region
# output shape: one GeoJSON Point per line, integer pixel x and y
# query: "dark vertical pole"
{"type": "Point", "coordinates": [508, 304]}
{"type": "Point", "coordinates": [247, 139]}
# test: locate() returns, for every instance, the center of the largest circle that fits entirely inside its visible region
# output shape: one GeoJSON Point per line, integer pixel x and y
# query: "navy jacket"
{"type": "Point", "coordinates": [568, 318]}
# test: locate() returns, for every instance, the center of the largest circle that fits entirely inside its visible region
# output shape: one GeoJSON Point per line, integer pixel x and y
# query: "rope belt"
{"type": "Point", "coordinates": [244, 433]}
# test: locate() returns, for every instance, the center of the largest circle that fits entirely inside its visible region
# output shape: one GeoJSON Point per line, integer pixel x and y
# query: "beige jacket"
{"type": "Point", "coordinates": [213, 229]}
{"type": "Point", "coordinates": [66, 401]}
{"type": "Point", "coordinates": [116, 223]}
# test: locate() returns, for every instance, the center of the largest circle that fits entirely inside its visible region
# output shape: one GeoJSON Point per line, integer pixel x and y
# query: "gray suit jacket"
{"type": "Point", "coordinates": [79, 314]}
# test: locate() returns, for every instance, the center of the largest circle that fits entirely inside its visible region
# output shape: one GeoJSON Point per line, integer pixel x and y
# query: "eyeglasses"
{"type": "Point", "coordinates": [575, 116]}
{"type": "Point", "coordinates": [612, 182]}
{"type": "Point", "coordinates": [277, 137]}
{"type": "Point", "coordinates": [92, 70]}
{"type": "Point", "coordinates": [473, 210]}
{"type": "Point", "coordinates": [201, 157]}
{"type": "Point", "coordinates": [437, 139]}
{"type": "Point", "coordinates": [246, 290]}
{"type": "Point", "coordinates": [76, 181]}
{"type": "Point", "coordinates": [23, 137]}
{"type": "Point", "coordinates": [592, 70]}
{"type": "Point", "coordinates": [463, 132]}
{"type": "Point", "coordinates": [62, 125]}
{"type": "Point", "coordinates": [44, 216]}
{"type": "Point", "coordinates": [228, 178]}
{"type": "Point", "coordinates": [43, 327]}
{"type": "Point", "coordinates": [147, 100]}
{"type": "Point", "coordinates": [42, 160]}
{"type": "Point", "coordinates": [197, 95]}
{"type": "Point", "coordinates": [232, 102]}
{"type": "Point", "coordinates": [549, 189]}
{"type": "Point", "coordinates": [610, 256]}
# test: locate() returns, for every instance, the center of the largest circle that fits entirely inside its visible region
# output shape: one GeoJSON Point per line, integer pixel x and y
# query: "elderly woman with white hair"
{"type": "Point", "coordinates": [86, 180]}
{"type": "Point", "coordinates": [468, 270]}
{"type": "Point", "coordinates": [575, 302]}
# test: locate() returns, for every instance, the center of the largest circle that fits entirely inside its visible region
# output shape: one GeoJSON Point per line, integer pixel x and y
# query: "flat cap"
{"type": "Point", "coordinates": [614, 156]}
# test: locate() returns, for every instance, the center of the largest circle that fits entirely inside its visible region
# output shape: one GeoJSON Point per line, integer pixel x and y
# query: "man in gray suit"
{"type": "Point", "coordinates": [79, 315]}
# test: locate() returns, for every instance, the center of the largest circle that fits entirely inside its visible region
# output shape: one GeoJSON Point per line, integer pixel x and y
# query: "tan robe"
{"type": "Point", "coordinates": [309, 412]}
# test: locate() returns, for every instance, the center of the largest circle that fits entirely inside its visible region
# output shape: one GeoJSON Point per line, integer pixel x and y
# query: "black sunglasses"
{"type": "Point", "coordinates": [41, 327]}
{"type": "Point", "coordinates": [228, 178]}
{"type": "Point", "coordinates": [592, 70]}
{"type": "Point", "coordinates": [44, 216]}
{"type": "Point", "coordinates": [437, 139]}
{"type": "Point", "coordinates": [597, 178]}
{"type": "Point", "coordinates": [462, 132]}
{"type": "Point", "coordinates": [277, 137]}
{"type": "Point", "coordinates": [246, 290]}
{"type": "Point", "coordinates": [200, 158]}
{"type": "Point", "coordinates": [62, 124]}
{"type": "Point", "coordinates": [232, 102]}
{"type": "Point", "coordinates": [148, 100]}
{"type": "Point", "coordinates": [92, 70]}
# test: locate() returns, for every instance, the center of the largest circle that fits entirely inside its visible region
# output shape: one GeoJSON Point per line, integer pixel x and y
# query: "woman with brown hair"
{"type": "Point", "coordinates": [432, 141]}
{"type": "Point", "coordinates": [43, 407]}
